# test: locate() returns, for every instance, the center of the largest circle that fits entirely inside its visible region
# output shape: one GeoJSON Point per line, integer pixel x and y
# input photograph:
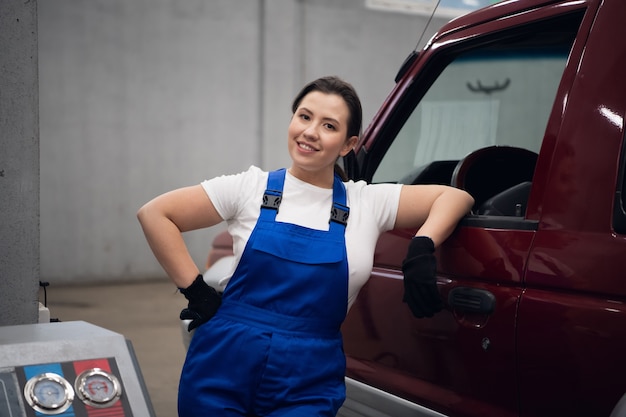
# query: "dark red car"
{"type": "Point", "coordinates": [522, 104]}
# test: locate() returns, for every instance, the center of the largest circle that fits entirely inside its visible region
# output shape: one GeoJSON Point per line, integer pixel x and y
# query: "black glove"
{"type": "Point", "coordinates": [420, 278]}
{"type": "Point", "coordinates": [203, 303]}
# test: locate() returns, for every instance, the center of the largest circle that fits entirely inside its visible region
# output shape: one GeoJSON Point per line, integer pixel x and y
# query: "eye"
{"type": "Point", "coordinates": [330, 126]}
{"type": "Point", "coordinates": [304, 116]}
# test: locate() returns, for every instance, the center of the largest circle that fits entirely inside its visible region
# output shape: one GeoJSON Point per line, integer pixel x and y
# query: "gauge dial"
{"type": "Point", "coordinates": [98, 388]}
{"type": "Point", "coordinates": [49, 393]}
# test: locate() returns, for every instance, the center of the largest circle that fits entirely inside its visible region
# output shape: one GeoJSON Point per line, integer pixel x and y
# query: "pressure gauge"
{"type": "Point", "coordinates": [49, 393]}
{"type": "Point", "coordinates": [98, 388]}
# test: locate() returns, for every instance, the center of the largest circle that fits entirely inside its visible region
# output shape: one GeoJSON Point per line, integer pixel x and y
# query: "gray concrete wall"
{"type": "Point", "coordinates": [19, 163]}
{"type": "Point", "coordinates": [139, 97]}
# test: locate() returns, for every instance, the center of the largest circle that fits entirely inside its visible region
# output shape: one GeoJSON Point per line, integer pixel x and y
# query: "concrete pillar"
{"type": "Point", "coordinates": [19, 163]}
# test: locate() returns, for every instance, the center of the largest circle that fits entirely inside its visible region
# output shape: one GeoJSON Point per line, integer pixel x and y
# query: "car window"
{"type": "Point", "coordinates": [619, 209]}
{"type": "Point", "coordinates": [498, 94]}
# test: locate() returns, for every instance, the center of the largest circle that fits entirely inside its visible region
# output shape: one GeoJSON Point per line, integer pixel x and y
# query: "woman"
{"type": "Point", "coordinates": [304, 241]}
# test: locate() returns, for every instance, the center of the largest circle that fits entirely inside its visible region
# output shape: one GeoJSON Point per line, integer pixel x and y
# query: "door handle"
{"type": "Point", "coordinates": [472, 300]}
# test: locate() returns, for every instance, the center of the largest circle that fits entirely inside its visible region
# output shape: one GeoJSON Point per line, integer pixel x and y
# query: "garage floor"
{"type": "Point", "coordinates": [146, 313]}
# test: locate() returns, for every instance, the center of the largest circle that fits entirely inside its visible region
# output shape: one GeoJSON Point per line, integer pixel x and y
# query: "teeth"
{"type": "Point", "coordinates": [305, 146]}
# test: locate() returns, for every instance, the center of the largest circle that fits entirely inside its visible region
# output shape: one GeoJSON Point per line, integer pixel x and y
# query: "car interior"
{"type": "Point", "coordinates": [498, 177]}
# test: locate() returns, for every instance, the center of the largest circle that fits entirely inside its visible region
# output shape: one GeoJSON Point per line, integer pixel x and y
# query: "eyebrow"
{"type": "Point", "coordinates": [335, 121]}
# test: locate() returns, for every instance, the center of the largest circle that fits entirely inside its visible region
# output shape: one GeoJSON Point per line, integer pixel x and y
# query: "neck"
{"type": "Point", "coordinates": [320, 179]}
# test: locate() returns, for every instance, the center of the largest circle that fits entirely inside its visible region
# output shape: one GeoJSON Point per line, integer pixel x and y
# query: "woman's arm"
{"type": "Point", "coordinates": [434, 209]}
{"type": "Point", "coordinates": [165, 218]}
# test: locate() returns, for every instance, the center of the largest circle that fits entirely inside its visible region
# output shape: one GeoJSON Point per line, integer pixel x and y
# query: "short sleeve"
{"type": "Point", "coordinates": [380, 201]}
{"type": "Point", "coordinates": [231, 193]}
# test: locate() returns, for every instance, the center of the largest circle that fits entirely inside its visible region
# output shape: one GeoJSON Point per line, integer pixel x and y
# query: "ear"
{"type": "Point", "coordinates": [349, 145]}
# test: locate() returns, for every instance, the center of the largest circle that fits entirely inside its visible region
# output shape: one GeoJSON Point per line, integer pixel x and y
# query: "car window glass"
{"type": "Point", "coordinates": [619, 209]}
{"type": "Point", "coordinates": [500, 94]}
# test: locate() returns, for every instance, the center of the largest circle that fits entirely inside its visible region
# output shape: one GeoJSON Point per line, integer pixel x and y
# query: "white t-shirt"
{"type": "Point", "coordinates": [373, 208]}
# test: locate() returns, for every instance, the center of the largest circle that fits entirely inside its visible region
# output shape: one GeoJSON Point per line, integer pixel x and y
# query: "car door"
{"type": "Point", "coordinates": [572, 316]}
{"type": "Point", "coordinates": [472, 112]}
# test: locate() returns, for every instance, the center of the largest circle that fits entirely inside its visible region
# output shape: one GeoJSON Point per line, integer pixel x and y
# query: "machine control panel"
{"type": "Point", "coordinates": [69, 369]}
{"type": "Point", "coordinates": [84, 388]}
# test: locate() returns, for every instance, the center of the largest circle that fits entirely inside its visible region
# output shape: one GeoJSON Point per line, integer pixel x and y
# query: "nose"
{"type": "Point", "coordinates": [311, 132]}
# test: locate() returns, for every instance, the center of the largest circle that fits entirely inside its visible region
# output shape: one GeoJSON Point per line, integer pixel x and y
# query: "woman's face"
{"type": "Point", "coordinates": [318, 136]}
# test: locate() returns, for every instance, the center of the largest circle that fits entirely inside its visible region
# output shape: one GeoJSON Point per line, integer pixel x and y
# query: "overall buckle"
{"type": "Point", "coordinates": [339, 213]}
{"type": "Point", "coordinates": [272, 199]}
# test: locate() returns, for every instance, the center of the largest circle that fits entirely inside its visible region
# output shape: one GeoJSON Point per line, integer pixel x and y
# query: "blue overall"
{"type": "Point", "coordinates": [274, 347]}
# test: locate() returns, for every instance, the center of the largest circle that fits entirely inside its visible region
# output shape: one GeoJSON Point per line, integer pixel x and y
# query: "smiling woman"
{"type": "Point", "coordinates": [304, 242]}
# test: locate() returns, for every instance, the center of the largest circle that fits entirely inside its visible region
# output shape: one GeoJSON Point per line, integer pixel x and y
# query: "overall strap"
{"type": "Point", "coordinates": [273, 195]}
{"type": "Point", "coordinates": [340, 211]}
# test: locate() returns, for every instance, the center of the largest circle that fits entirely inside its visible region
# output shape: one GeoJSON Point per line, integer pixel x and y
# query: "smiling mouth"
{"type": "Point", "coordinates": [306, 147]}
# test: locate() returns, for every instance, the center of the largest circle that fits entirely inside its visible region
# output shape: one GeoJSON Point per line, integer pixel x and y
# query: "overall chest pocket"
{"type": "Point", "coordinates": [300, 244]}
